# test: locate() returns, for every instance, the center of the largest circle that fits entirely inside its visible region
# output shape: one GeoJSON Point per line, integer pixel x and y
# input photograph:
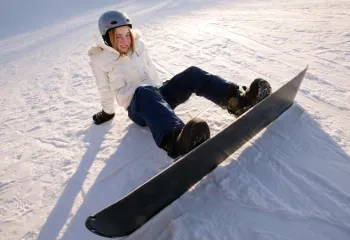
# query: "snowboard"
{"type": "Point", "coordinates": [131, 212]}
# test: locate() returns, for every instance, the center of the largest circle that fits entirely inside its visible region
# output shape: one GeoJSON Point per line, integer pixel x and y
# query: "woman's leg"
{"type": "Point", "coordinates": [223, 93]}
{"type": "Point", "coordinates": [195, 80]}
{"type": "Point", "coordinates": [148, 108]}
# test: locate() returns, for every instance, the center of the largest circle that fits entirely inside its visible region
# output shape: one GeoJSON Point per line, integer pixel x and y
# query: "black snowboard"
{"type": "Point", "coordinates": [135, 209]}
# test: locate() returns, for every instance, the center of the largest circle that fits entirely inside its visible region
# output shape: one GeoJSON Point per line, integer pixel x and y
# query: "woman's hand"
{"type": "Point", "coordinates": [102, 117]}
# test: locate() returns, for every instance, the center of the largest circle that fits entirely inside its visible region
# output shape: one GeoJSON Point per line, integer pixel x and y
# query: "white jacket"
{"type": "Point", "coordinates": [118, 78]}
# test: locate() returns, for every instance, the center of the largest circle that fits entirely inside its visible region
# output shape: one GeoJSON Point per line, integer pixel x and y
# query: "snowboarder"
{"type": "Point", "coordinates": [124, 71]}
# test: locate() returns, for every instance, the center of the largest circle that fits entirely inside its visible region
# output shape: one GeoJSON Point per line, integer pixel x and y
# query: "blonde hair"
{"type": "Point", "coordinates": [112, 33]}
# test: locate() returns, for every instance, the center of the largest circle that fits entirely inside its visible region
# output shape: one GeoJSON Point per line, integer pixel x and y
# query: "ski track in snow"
{"type": "Point", "coordinates": [289, 182]}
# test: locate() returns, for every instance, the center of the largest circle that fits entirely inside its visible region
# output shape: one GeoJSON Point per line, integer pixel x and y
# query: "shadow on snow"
{"type": "Point", "coordinates": [293, 161]}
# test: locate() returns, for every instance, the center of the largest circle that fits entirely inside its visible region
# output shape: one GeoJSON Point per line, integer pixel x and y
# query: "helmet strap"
{"type": "Point", "coordinates": [107, 40]}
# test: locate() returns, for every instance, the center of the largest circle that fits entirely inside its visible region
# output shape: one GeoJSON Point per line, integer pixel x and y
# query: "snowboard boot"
{"type": "Point", "coordinates": [182, 141]}
{"type": "Point", "coordinates": [259, 89]}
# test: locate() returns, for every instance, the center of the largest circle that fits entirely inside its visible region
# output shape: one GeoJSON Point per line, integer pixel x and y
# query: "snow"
{"type": "Point", "coordinates": [290, 182]}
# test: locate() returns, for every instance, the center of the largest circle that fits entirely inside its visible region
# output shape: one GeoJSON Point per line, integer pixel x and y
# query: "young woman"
{"type": "Point", "coordinates": [125, 72]}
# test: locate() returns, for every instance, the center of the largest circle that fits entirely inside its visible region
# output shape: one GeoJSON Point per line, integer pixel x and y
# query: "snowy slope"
{"type": "Point", "coordinates": [290, 182]}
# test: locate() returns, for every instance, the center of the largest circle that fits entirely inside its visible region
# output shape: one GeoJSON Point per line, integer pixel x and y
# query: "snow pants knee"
{"type": "Point", "coordinates": [154, 107]}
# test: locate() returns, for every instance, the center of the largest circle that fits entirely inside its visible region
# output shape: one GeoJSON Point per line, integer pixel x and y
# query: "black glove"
{"type": "Point", "coordinates": [102, 117]}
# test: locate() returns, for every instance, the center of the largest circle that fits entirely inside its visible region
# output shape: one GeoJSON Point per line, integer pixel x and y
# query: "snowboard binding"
{"type": "Point", "coordinates": [259, 90]}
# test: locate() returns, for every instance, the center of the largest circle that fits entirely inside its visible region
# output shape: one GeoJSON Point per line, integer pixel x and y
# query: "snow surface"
{"type": "Point", "coordinates": [289, 182]}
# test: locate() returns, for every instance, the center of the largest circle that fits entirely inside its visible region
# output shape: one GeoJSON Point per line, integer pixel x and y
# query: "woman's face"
{"type": "Point", "coordinates": [123, 39]}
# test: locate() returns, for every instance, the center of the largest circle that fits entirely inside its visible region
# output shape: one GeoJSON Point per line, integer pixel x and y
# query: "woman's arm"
{"type": "Point", "coordinates": [107, 96]}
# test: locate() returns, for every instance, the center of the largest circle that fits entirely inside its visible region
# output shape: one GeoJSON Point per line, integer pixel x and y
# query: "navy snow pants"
{"type": "Point", "coordinates": [153, 107]}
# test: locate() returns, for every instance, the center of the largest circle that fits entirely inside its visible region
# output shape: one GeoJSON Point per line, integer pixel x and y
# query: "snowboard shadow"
{"type": "Point", "coordinates": [293, 166]}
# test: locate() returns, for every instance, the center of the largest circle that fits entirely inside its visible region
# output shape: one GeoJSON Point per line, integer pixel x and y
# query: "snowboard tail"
{"type": "Point", "coordinates": [131, 212]}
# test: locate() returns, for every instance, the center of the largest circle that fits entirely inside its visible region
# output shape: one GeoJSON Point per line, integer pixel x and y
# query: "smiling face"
{"type": "Point", "coordinates": [121, 39]}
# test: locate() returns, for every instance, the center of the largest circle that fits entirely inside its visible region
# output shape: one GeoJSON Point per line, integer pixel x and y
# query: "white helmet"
{"type": "Point", "coordinates": [110, 20]}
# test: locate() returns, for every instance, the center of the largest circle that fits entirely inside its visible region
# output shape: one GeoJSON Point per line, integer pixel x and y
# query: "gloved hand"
{"type": "Point", "coordinates": [102, 117]}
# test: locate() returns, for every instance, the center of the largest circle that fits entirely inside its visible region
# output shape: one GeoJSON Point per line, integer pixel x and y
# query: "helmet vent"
{"type": "Point", "coordinates": [114, 22]}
